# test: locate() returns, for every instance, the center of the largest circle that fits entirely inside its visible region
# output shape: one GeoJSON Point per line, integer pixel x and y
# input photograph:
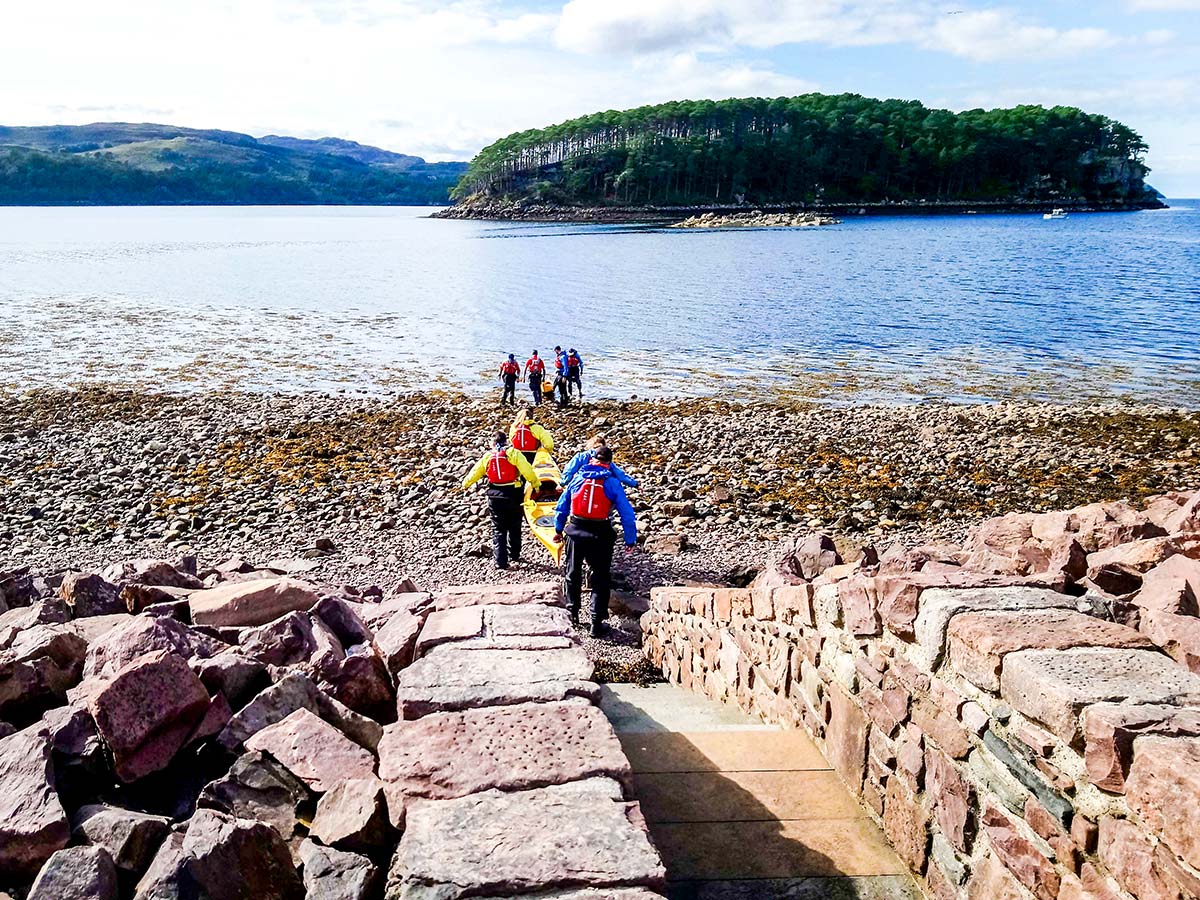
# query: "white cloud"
{"type": "Point", "coordinates": [993, 34]}
{"type": "Point", "coordinates": [1164, 5]}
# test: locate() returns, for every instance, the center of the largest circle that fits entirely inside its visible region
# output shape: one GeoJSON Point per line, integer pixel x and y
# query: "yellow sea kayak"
{"type": "Point", "coordinates": [539, 505]}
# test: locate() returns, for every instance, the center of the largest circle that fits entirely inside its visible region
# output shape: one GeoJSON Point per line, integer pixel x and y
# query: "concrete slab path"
{"type": "Point", "coordinates": [741, 810]}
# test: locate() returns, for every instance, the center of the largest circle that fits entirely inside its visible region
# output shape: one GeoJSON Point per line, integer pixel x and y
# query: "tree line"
{"type": "Point", "coordinates": [814, 148]}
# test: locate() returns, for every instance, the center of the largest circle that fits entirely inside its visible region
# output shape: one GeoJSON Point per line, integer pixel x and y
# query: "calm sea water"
{"type": "Point", "coordinates": [379, 299]}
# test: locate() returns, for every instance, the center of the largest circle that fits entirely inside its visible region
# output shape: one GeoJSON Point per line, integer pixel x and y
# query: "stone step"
{"type": "Point", "coordinates": [722, 751]}
{"type": "Point", "coordinates": [743, 797]}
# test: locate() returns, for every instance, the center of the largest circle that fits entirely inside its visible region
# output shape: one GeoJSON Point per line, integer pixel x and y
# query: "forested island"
{"type": "Point", "coordinates": [115, 163]}
{"type": "Point", "coordinates": [814, 151]}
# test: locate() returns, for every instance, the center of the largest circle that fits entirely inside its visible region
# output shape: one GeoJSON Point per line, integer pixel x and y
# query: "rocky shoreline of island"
{"type": "Point", "coordinates": [530, 210]}
{"type": "Point", "coordinates": [88, 476]}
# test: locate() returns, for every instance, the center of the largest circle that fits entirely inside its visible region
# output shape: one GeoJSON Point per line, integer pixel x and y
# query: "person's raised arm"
{"type": "Point", "coordinates": [477, 472]}
{"type": "Point", "coordinates": [616, 494]}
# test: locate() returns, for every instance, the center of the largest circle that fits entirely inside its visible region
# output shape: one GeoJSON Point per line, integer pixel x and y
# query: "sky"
{"type": "Point", "coordinates": [442, 80]}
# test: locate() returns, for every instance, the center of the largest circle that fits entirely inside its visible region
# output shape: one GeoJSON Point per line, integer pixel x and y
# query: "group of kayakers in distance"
{"type": "Point", "coordinates": [568, 377]}
{"type": "Point", "coordinates": [570, 512]}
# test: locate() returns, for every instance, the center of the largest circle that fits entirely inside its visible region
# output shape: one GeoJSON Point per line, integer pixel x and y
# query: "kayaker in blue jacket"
{"type": "Point", "coordinates": [582, 517]}
{"type": "Point", "coordinates": [584, 456]}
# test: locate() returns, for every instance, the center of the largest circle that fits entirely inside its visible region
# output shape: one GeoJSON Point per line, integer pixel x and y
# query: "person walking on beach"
{"type": "Point", "coordinates": [584, 456]}
{"type": "Point", "coordinates": [510, 369]}
{"type": "Point", "coordinates": [504, 468]}
{"type": "Point", "coordinates": [535, 371]}
{"type": "Point", "coordinates": [574, 371]}
{"type": "Point", "coordinates": [528, 436]}
{"type": "Point", "coordinates": [560, 375]}
{"type": "Point", "coordinates": [582, 519]}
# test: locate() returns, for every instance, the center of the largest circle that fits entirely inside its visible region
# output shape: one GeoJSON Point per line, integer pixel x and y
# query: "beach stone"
{"type": "Point", "coordinates": [37, 669]}
{"type": "Point", "coordinates": [529, 745]}
{"type": "Point", "coordinates": [455, 624]}
{"type": "Point", "coordinates": [93, 628]}
{"type": "Point", "coordinates": [33, 824]}
{"type": "Point", "coordinates": [450, 678]}
{"type": "Point", "coordinates": [166, 878]}
{"type": "Point", "coordinates": [1172, 586]}
{"type": "Point", "coordinates": [396, 640]}
{"type": "Point", "coordinates": [297, 691]}
{"type": "Point", "coordinates": [335, 874]}
{"type": "Point", "coordinates": [533, 620]}
{"type": "Point", "coordinates": [1139, 556]}
{"type": "Point", "coordinates": [545, 592]}
{"type": "Point", "coordinates": [90, 595]}
{"type": "Point", "coordinates": [146, 713]}
{"type": "Point", "coordinates": [939, 605]}
{"type": "Point", "coordinates": [259, 788]}
{"type": "Point", "coordinates": [251, 602]}
{"type": "Point", "coordinates": [352, 816]}
{"type": "Point", "coordinates": [500, 844]}
{"type": "Point", "coordinates": [76, 873]}
{"type": "Point", "coordinates": [1162, 785]}
{"type": "Point", "coordinates": [231, 859]}
{"type": "Point", "coordinates": [140, 635]}
{"type": "Point", "coordinates": [978, 642]}
{"type": "Point", "coordinates": [1053, 686]}
{"type": "Point", "coordinates": [130, 838]}
{"type": "Point", "coordinates": [313, 750]}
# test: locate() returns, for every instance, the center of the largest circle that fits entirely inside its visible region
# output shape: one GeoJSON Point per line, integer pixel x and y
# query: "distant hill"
{"type": "Point", "coordinates": [121, 163]}
{"type": "Point", "coordinates": [814, 149]}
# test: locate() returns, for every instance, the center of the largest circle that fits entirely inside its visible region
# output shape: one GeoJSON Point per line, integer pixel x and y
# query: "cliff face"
{"type": "Point", "coordinates": [815, 150]}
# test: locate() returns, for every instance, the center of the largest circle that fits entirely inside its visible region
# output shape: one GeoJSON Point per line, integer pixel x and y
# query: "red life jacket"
{"type": "Point", "coordinates": [500, 469]}
{"type": "Point", "coordinates": [510, 368]}
{"type": "Point", "coordinates": [590, 501]}
{"type": "Point", "coordinates": [535, 366]}
{"type": "Point", "coordinates": [524, 439]}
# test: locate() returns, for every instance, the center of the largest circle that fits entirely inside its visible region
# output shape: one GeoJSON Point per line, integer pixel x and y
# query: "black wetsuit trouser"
{"type": "Point", "coordinates": [574, 377]}
{"type": "Point", "coordinates": [505, 505]}
{"type": "Point", "coordinates": [535, 388]}
{"type": "Point", "coordinates": [592, 543]}
{"type": "Point", "coordinates": [510, 389]}
{"type": "Point", "coordinates": [561, 383]}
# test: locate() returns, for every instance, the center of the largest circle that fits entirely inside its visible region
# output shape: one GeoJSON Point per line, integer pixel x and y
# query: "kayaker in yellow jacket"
{"type": "Point", "coordinates": [504, 467]}
{"type": "Point", "coordinates": [527, 436]}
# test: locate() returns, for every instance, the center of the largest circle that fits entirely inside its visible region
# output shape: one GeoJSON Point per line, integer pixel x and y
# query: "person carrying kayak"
{"type": "Point", "coordinates": [582, 520]}
{"type": "Point", "coordinates": [574, 363]}
{"type": "Point", "coordinates": [528, 436]}
{"type": "Point", "coordinates": [509, 370]}
{"type": "Point", "coordinates": [560, 375]}
{"type": "Point", "coordinates": [535, 371]}
{"type": "Point", "coordinates": [584, 456]}
{"type": "Point", "coordinates": [504, 468]}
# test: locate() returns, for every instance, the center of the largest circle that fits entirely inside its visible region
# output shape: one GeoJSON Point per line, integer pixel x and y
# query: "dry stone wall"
{"type": "Point", "coordinates": [1021, 713]}
{"type": "Point", "coordinates": [225, 734]}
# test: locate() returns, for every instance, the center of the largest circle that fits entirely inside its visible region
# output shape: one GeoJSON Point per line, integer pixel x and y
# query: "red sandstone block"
{"type": "Point", "coordinates": [859, 606]}
{"type": "Point", "coordinates": [730, 602]}
{"type": "Point", "coordinates": [979, 641]}
{"type": "Point", "coordinates": [887, 709]}
{"type": "Point", "coordinates": [990, 880]}
{"type": "Point", "coordinates": [867, 672]}
{"type": "Point", "coordinates": [1138, 867]}
{"type": "Point", "coordinates": [1084, 832]}
{"type": "Point", "coordinates": [898, 598]}
{"type": "Point", "coordinates": [1020, 856]}
{"type": "Point", "coordinates": [794, 604]}
{"type": "Point", "coordinates": [1035, 739]}
{"type": "Point", "coordinates": [906, 823]}
{"type": "Point", "coordinates": [915, 680]}
{"type": "Point", "coordinates": [1173, 586]}
{"type": "Point", "coordinates": [1110, 729]}
{"type": "Point", "coordinates": [1163, 789]}
{"type": "Point", "coordinates": [762, 606]}
{"type": "Point", "coordinates": [1140, 556]}
{"type": "Point", "coordinates": [1176, 634]}
{"type": "Point", "coordinates": [953, 799]}
{"type": "Point", "coordinates": [910, 760]}
{"type": "Point", "coordinates": [974, 717]}
{"type": "Point", "coordinates": [846, 737]}
{"type": "Point", "coordinates": [941, 727]}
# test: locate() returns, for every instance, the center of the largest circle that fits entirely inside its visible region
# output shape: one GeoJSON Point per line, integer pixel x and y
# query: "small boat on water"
{"type": "Point", "coordinates": [1057, 213]}
{"type": "Point", "coordinates": [539, 504]}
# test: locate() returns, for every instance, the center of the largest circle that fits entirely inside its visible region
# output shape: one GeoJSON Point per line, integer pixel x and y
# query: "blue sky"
{"type": "Point", "coordinates": [443, 79]}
